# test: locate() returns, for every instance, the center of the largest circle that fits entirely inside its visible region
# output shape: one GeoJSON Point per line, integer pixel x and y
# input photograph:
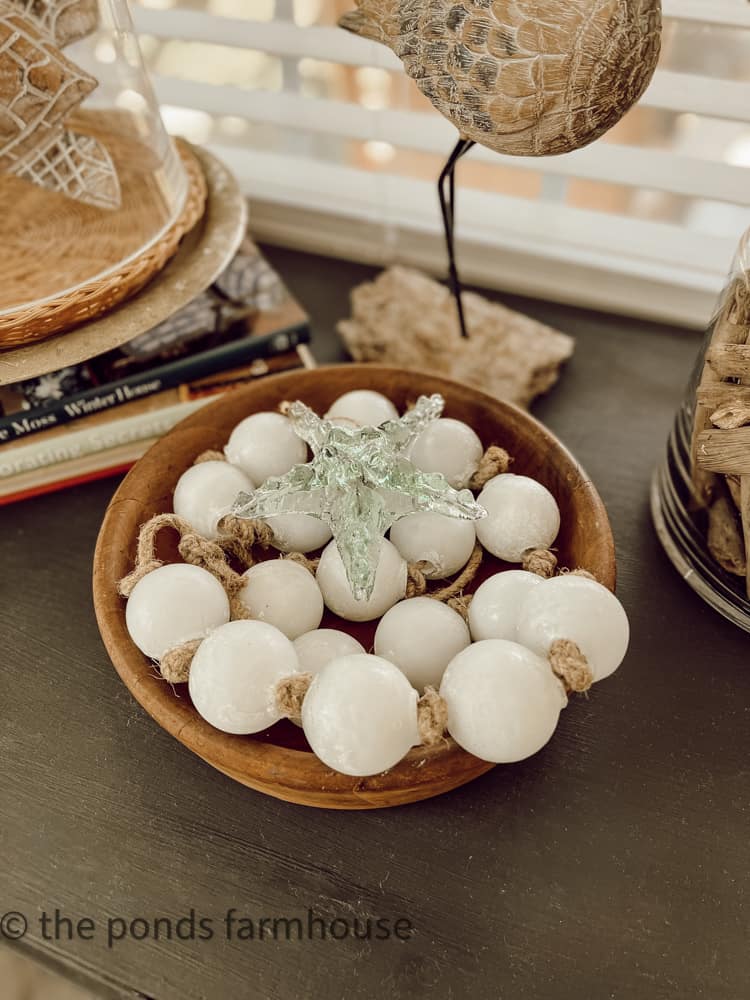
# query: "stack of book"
{"type": "Point", "coordinates": [97, 418]}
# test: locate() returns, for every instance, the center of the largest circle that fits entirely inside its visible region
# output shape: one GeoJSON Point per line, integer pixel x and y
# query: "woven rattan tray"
{"type": "Point", "coordinates": [65, 262]}
{"type": "Point", "coordinates": [203, 253]}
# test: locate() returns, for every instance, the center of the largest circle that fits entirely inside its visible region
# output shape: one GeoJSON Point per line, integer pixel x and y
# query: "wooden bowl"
{"type": "Point", "coordinates": [279, 762]}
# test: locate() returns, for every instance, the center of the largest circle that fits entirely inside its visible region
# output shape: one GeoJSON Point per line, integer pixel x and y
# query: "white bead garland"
{"type": "Point", "coordinates": [442, 544]}
{"type": "Point", "coordinates": [421, 636]}
{"type": "Point", "coordinates": [449, 447]}
{"type": "Point", "coordinates": [205, 493]}
{"type": "Point", "coordinates": [298, 532]}
{"type": "Point", "coordinates": [363, 407]}
{"type": "Point", "coordinates": [172, 605]}
{"type": "Point", "coordinates": [390, 584]}
{"type": "Point", "coordinates": [579, 609]}
{"type": "Point", "coordinates": [360, 715]}
{"type": "Point", "coordinates": [503, 700]}
{"type": "Point", "coordinates": [521, 514]}
{"type": "Point", "coordinates": [318, 648]}
{"type": "Point", "coordinates": [264, 445]}
{"type": "Point", "coordinates": [284, 594]}
{"type": "Point", "coordinates": [234, 674]}
{"type": "Point", "coordinates": [496, 605]}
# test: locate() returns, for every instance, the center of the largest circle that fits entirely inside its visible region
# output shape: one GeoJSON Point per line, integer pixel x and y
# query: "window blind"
{"type": "Point", "coordinates": [339, 154]}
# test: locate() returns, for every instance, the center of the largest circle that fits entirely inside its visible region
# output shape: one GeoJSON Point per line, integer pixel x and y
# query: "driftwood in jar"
{"type": "Point", "coordinates": [716, 395]}
{"type": "Point", "coordinates": [726, 452]}
{"type": "Point", "coordinates": [725, 332]}
{"type": "Point", "coordinates": [734, 485]}
{"type": "Point", "coordinates": [732, 415]}
{"type": "Point", "coordinates": [720, 453]}
{"type": "Point", "coordinates": [725, 537]}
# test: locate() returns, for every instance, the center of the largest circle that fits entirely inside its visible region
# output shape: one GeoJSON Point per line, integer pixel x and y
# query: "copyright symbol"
{"type": "Point", "coordinates": [13, 925]}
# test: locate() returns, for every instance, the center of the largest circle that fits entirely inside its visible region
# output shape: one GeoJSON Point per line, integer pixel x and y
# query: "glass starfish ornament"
{"type": "Point", "coordinates": [359, 483]}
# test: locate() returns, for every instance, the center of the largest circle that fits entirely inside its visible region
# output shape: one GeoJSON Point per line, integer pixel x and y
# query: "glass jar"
{"type": "Point", "coordinates": [700, 498]}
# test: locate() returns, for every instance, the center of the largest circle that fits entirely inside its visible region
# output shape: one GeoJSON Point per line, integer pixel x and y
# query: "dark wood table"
{"type": "Point", "coordinates": [614, 864]}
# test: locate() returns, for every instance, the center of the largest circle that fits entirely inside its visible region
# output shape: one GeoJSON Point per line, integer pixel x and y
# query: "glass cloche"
{"type": "Point", "coordinates": [701, 493]}
{"type": "Point", "coordinates": [93, 192]}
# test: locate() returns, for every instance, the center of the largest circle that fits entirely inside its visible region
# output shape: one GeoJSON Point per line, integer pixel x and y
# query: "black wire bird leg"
{"type": "Point", "coordinates": [447, 195]}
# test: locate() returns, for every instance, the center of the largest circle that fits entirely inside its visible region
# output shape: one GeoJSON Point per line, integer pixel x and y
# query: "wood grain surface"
{"type": "Point", "coordinates": [277, 762]}
{"type": "Point", "coordinates": [614, 864]}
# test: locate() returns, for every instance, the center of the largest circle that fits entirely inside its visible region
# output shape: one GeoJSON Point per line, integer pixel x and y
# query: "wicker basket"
{"type": "Point", "coordinates": [96, 259]}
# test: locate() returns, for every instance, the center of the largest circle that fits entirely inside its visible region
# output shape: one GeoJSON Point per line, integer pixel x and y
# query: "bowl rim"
{"type": "Point", "coordinates": [264, 766]}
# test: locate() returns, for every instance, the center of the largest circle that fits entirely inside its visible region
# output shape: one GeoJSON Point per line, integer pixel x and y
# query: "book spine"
{"type": "Point", "coordinates": [169, 376]}
{"type": "Point", "coordinates": [78, 444]}
{"type": "Point", "coordinates": [63, 484]}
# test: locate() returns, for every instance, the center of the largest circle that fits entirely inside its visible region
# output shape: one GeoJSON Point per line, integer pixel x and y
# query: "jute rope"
{"type": "Point", "coordinates": [199, 551]}
{"type": "Point", "coordinates": [145, 556]}
{"type": "Point", "coordinates": [290, 693]}
{"type": "Point", "coordinates": [301, 559]}
{"type": "Point", "coordinates": [432, 717]}
{"type": "Point", "coordinates": [174, 666]}
{"type": "Point", "coordinates": [209, 555]}
{"type": "Point", "coordinates": [464, 578]}
{"type": "Point", "coordinates": [461, 605]}
{"type": "Point", "coordinates": [210, 456]}
{"type": "Point", "coordinates": [566, 661]}
{"type": "Point", "coordinates": [416, 582]}
{"type": "Point", "coordinates": [542, 562]}
{"type": "Point", "coordinates": [238, 535]}
{"type": "Point", "coordinates": [570, 665]}
{"type": "Point", "coordinates": [194, 549]}
{"type": "Point", "coordinates": [494, 462]}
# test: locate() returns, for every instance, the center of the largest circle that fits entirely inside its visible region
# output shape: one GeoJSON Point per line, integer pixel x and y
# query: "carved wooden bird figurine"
{"type": "Point", "coordinates": [524, 77]}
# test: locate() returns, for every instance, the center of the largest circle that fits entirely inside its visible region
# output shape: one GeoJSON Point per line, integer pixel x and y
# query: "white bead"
{"type": "Point", "coordinates": [283, 594]}
{"type": "Point", "coordinates": [206, 492]}
{"type": "Point", "coordinates": [521, 514]}
{"type": "Point", "coordinates": [496, 606]}
{"type": "Point", "coordinates": [265, 444]}
{"type": "Point", "coordinates": [364, 407]}
{"type": "Point", "coordinates": [503, 700]}
{"type": "Point", "coordinates": [234, 674]}
{"type": "Point", "coordinates": [390, 584]}
{"type": "Point", "coordinates": [298, 532]}
{"type": "Point", "coordinates": [579, 609]}
{"type": "Point", "coordinates": [421, 636]}
{"type": "Point", "coordinates": [450, 447]}
{"type": "Point", "coordinates": [317, 648]}
{"type": "Point", "coordinates": [172, 605]}
{"type": "Point", "coordinates": [443, 543]}
{"type": "Point", "coordinates": [360, 715]}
